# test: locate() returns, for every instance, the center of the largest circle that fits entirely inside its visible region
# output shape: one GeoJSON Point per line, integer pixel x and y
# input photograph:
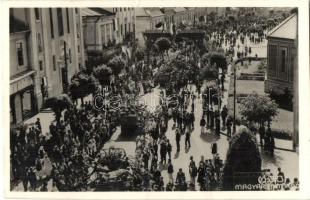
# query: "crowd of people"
{"type": "Point", "coordinates": [64, 155]}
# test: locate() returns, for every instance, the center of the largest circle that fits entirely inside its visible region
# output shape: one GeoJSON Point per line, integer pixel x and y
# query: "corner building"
{"type": "Point", "coordinates": [46, 49]}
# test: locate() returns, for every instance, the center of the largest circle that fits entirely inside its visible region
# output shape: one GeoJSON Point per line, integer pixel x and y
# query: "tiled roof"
{"type": "Point", "coordinates": [286, 29]}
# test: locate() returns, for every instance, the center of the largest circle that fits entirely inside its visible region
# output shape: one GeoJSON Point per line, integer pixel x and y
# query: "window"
{"type": "Point", "coordinates": [77, 30]}
{"type": "Point", "coordinates": [273, 57]}
{"type": "Point", "coordinates": [40, 48]}
{"type": "Point", "coordinates": [78, 48]}
{"type": "Point", "coordinates": [120, 9]}
{"type": "Point", "coordinates": [60, 22]}
{"type": "Point", "coordinates": [125, 9]}
{"type": "Point", "coordinates": [40, 65]}
{"type": "Point", "coordinates": [121, 29]}
{"type": "Point", "coordinates": [51, 22]}
{"type": "Point", "coordinates": [20, 56]}
{"type": "Point", "coordinates": [37, 13]}
{"type": "Point", "coordinates": [283, 60]}
{"type": "Point", "coordinates": [76, 11]}
{"type": "Point", "coordinates": [68, 20]}
{"type": "Point", "coordinates": [70, 59]}
{"type": "Point", "coordinates": [54, 63]}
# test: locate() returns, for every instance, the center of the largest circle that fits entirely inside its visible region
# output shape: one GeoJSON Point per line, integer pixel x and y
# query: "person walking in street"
{"type": "Point", "coordinates": [169, 149]}
{"type": "Point", "coordinates": [180, 176]}
{"type": "Point", "coordinates": [155, 148]}
{"type": "Point", "coordinates": [193, 172]}
{"type": "Point", "coordinates": [178, 138]}
{"type": "Point", "coordinates": [145, 158]}
{"type": "Point", "coordinates": [261, 132]}
{"type": "Point", "coordinates": [228, 127]}
{"type": "Point", "coordinates": [222, 80]}
{"type": "Point", "coordinates": [202, 124]}
{"type": "Point", "coordinates": [214, 149]}
{"type": "Point", "coordinates": [224, 114]}
{"type": "Point", "coordinates": [170, 171]}
{"type": "Point", "coordinates": [187, 139]}
{"type": "Point", "coordinates": [217, 125]}
{"type": "Point", "coordinates": [192, 120]}
{"type": "Point", "coordinates": [201, 176]}
{"type": "Point", "coordinates": [163, 151]}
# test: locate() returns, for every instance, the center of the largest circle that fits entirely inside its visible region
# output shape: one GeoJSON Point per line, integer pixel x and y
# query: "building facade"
{"type": "Point", "coordinates": [281, 56]}
{"type": "Point", "coordinates": [98, 28]}
{"type": "Point", "coordinates": [46, 49]}
{"type": "Point", "coordinates": [146, 19]}
{"type": "Point", "coordinates": [125, 20]}
{"type": "Point", "coordinates": [282, 66]}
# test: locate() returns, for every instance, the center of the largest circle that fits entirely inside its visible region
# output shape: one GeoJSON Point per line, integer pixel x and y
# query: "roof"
{"type": "Point", "coordinates": [179, 9]}
{"type": "Point", "coordinates": [155, 12]}
{"type": "Point", "coordinates": [88, 12]}
{"type": "Point", "coordinates": [140, 12]}
{"type": "Point", "coordinates": [148, 12]}
{"type": "Point", "coordinates": [286, 29]}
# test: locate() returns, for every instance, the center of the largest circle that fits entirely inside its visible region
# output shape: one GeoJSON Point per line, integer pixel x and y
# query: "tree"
{"type": "Point", "coordinates": [82, 85]}
{"type": "Point", "coordinates": [58, 104]}
{"type": "Point", "coordinates": [243, 161]}
{"type": "Point", "coordinates": [259, 109]}
{"type": "Point", "coordinates": [103, 74]}
{"type": "Point", "coordinates": [162, 44]}
{"type": "Point", "coordinates": [117, 64]}
{"type": "Point", "coordinates": [219, 59]}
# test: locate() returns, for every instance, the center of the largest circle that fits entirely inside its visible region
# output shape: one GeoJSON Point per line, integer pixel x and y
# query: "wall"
{"type": "Point", "coordinates": [276, 78]}
{"type": "Point", "coordinates": [142, 24]}
{"type": "Point", "coordinates": [14, 68]}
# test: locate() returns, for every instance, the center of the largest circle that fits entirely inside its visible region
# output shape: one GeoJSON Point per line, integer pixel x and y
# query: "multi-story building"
{"type": "Point", "coordinates": [147, 19]}
{"type": "Point", "coordinates": [281, 54]}
{"type": "Point", "coordinates": [46, 49]}
{"type": "Point", "coordinates": [124, 22]}
{"type": "Point", "coordinates": [282, 64]}
{"type": "Point", "coordinates": [98, 28]}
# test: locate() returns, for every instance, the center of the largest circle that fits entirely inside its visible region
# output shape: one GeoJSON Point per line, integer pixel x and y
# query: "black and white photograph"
{"type": "Point", "coordinates": [153, 99]}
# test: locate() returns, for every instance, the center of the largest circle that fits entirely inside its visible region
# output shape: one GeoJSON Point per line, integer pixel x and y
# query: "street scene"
{"type": "Point", "coordinates": [154, 99]}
